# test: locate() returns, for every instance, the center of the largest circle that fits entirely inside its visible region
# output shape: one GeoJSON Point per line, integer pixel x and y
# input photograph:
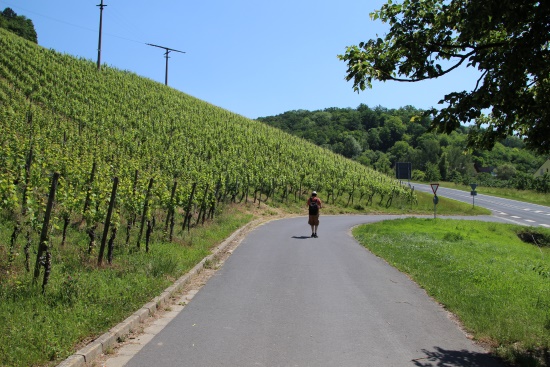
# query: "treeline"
{"type": "Point", "coordinates": [380, 137]}
{"type": "Point", "coordinates": [18, 24]}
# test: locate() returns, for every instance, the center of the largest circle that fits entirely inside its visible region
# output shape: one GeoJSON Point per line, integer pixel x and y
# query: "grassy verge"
{"type": "Point", "coordinates": [447, 206]}
{"type": "Point", "coordinates": [520, 195]}
{"type": "Point", "coordinates": [498, 285]}
{"type": "Point", "coordinates": [83, 301]}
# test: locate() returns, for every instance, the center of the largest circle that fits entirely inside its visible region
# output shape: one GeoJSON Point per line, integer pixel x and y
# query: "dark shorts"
{"type": "Point", "coordinates": [313, 220]}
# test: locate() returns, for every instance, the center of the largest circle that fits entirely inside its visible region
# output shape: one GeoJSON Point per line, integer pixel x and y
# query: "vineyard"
{"type": "Point", "coordinates": [116, 156]}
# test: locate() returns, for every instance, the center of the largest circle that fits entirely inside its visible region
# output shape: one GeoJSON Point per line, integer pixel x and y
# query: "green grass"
{"type": "Point", "coordinates": [527, 196]}
{"type": "Point", "coordinates": [496, 284]}
{"type": "Point", "coordinates": [83, 301]}
{"type": "Point", "coordinates": [447, 206]}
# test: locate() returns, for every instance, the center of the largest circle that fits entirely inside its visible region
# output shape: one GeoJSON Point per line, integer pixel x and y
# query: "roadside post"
{"type": "Point", "coordinates": [473, 193]}
{"type": "Point", "coordinates": [435, 186]}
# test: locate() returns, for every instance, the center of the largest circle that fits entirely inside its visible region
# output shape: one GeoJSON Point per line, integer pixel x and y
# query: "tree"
{"type": "Point", "coordinates": [9, 14]}
{"type": "Point", "coordinates": [443, 166]}
{"type": "Point", "coordinates": [383, 164]}
{"type": "Point", "coordinates": [373, 139]}
{"type": "Point", "coordinates": [400, 152]}
{"type": "Point", "coordinates": [432, 172]}
{"type": "Point", "coordinates": [351, 148]}
{"type": "Point", "coordinates": [18, 24]}
{"type": "Point", "coordinates": [459, 161]}
{"type": "Point", "coordinates": [506, 171]}
{"type": "Point", "coordinates": [392, 130]}
{"type": "Point", "coordinates": [367, 157]}
{"type": "Point", "coordinates": [429, 149]}
{"type": "Point", "coordinates": [507, 41]}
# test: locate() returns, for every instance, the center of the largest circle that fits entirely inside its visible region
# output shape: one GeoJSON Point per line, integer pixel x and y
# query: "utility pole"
{"type": "Point", "coordinates": [168, 50]}
{"type": "Point", "coordinates": [101, 6]}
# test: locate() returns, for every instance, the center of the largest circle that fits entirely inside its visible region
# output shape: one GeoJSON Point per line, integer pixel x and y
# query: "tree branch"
{"type": "Point", "coordinates": [479, 80]}
{"type": "Point", "coordinates": [462, 59]}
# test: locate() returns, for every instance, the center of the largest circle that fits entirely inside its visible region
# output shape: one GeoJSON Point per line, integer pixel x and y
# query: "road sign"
{"type": "Point", "coordinates": [436, 200]}
{"type": "Point", "coordinates": [434, 186]}
{"type": "Point", "coordinates": [473, 192]}
{"type": "Point", "coordinates": [403, 170]}
{"type": "Point", "coordinates": [473, 186]}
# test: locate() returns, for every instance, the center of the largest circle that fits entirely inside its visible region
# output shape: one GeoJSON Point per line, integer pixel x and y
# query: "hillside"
{"type": "Point", "coordinates": [178, 161]}
{"type": "Point", "coordinates": [71, 116]}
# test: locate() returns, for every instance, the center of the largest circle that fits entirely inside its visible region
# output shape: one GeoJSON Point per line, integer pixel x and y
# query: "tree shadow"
{"type": "Point", "coordinates": [301, 237]}
{"type": "Point", "coordinates": [456, 358]}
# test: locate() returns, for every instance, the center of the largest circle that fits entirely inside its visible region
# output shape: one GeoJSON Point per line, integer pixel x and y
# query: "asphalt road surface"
{"type": "Point", "coordinates": [510, 210]}
{"type": "Point", "coordinates": [285, 299]}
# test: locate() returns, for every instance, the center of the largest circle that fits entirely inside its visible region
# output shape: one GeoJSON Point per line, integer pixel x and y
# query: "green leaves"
{"type": "Point", "coordinates": [506, 41]}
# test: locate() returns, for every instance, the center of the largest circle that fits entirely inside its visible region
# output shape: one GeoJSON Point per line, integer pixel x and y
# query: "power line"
{"type": "Point", "coordinates": [101, 6]}
{"type": "Point", "coordinates": [168, 50]}
{"type": "Point", "coordinates": [19, 9]}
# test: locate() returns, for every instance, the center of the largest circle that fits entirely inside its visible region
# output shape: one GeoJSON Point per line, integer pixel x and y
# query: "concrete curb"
{"type": "Point", "coordinates": [85, 356]}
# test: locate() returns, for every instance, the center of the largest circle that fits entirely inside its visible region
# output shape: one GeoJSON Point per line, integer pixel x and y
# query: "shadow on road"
{"type": "Point", "coordinates": [455, 358]}
{"type": "Point", "coordinates": [301, 237]}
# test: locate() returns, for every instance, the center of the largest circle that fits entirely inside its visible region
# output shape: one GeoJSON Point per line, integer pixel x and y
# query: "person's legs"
{"type": "Point", "coordinates": [316, 225]}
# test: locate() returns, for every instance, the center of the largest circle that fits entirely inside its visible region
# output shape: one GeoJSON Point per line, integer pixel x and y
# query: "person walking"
{"type": "Point", "coordinates": [314, 204]}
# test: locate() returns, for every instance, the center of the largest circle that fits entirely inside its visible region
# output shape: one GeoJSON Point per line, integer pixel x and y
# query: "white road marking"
{"type": "Point", "coordinates": [515, 216]}
{"type": "Point", "coordinates": [529, 220]}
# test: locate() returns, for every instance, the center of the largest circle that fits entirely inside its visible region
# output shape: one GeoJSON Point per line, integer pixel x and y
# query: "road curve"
{"type": "Point", "coordinates": [284, 299]}
{"type": "Point", "coordinates": [517, 212]}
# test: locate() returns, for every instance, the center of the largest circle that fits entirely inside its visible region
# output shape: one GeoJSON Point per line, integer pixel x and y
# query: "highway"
{"type": "Point", "coordinates": [510, 210]}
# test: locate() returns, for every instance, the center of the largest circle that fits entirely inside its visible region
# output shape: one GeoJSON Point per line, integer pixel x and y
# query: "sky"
{"type": "Point", "coordinates": [254, 58]}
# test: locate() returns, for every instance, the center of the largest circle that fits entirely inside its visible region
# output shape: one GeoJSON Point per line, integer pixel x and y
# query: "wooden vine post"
{"type": "Point", "coordinates": [89, 189]}
{"type": "Point", "coordinates": [107, 222]}
{"type": "Point", "coordinates": [145, 209]}
{"type": "Point", "coordinates": [43, 256]}
{"type": "Point", "coordinates": [187, 219]}
{"type": "Point", "coordinates": [132, 219]}
{"type": "Point", "coordinates": [111, 244]}
{"type": "Point", "coordinates": [202, 209]}
{"type": "Point", "coordinates": [213, 201]}
{"type": "Point", "coordinates": [171, 211]}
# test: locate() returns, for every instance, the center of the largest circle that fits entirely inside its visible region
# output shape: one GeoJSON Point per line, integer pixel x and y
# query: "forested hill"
{"type": "Point", "coordinates": [379, 137]}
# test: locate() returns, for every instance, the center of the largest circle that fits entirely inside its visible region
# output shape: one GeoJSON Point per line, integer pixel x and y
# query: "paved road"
{"type": "Point", "coordinates": [284, 299]}
{"type": "Point", "coordinates": [510, 210]}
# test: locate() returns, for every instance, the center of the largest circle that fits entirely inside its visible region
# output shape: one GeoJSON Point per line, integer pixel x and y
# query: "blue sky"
{"type": "Point", "coordinates": [251, 57]}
